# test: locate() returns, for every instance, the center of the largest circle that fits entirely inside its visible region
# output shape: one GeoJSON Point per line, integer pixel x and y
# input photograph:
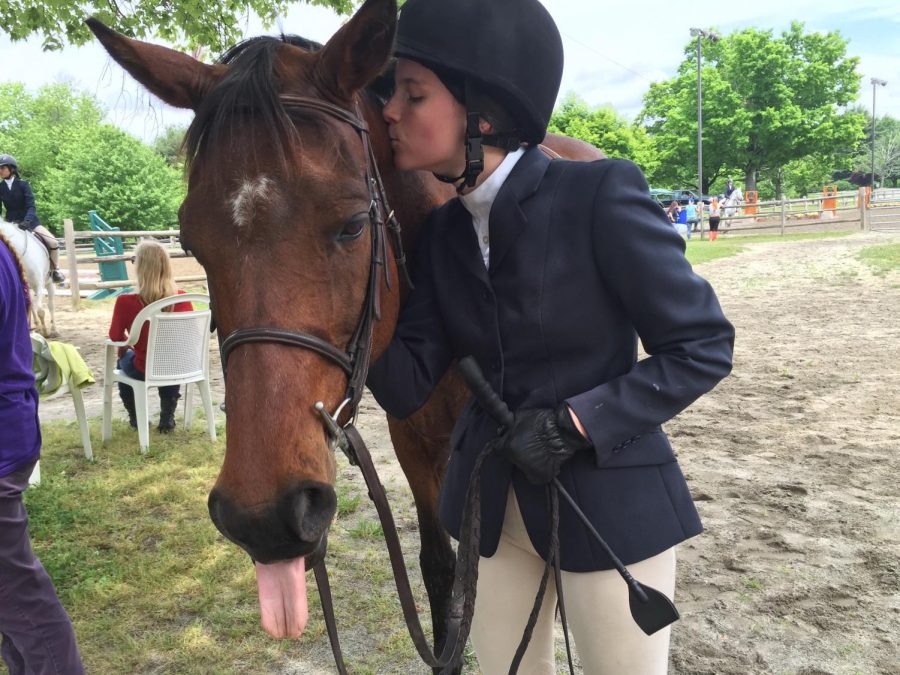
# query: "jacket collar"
{"type": "Point", "coordinates": [507, 219]}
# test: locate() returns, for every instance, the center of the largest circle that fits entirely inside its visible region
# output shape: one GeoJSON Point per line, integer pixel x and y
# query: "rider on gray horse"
{"type": "Point", "coordinates": [18, 200]}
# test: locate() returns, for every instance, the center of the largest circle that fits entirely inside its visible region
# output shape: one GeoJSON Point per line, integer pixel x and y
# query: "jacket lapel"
{"type": "Point", "coordinates": [508, 220]}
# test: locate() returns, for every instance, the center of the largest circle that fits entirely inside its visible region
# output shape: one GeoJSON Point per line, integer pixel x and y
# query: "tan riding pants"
{"type": "Point", "coordinates": [607, 639]}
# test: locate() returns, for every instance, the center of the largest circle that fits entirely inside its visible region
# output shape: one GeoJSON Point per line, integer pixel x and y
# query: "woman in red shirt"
{"type": "Point", "coordinates": [154, 282]}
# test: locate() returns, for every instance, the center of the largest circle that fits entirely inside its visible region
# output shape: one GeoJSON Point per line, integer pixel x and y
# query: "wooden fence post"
{"type": "Point", "coordinates": [69, 230]}
{"type": "Point", "coordinates": [863, 212]}
{"type": "Point", "coordinates": [783, 215]}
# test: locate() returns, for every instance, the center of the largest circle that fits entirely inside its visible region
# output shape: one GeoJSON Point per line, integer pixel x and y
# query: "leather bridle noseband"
{"type": "Point", "coordinates": [354, 359]}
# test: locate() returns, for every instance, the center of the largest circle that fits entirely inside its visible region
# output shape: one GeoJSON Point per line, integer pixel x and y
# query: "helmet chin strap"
{"type": "Point", "coordinates": [474, 149]}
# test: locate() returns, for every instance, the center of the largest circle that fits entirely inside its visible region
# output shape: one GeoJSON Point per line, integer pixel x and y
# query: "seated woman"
{"type": "Point", "coordinates": [18, 200]}
{"type": "Point", "coordinates": [154, 282]}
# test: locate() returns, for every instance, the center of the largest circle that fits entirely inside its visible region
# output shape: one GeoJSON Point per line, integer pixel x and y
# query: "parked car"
{"type": "Point", "coordinates": [665, 197]}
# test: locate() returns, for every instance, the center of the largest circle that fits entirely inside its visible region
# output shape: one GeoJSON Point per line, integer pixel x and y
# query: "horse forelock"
{"type": "Point", "coordinates": [250, 85]}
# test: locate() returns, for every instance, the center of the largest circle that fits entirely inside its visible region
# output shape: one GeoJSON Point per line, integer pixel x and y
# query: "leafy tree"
{"type": "Point", "coordinates": [605, 129]}
{"type": "Point", "coordinates": [887, 151]}
{"type": "Point", "coordinates": [75, 162]}
{"type": "Point", "coordinates": [36, 127]}
{"type": "Point", "coordinates": [127, 182]}
{"type": "Point", "coordinates": [767, 101]}
{"type": "Point", "coordinates": [168, 145]}
{"type": "Point", "coordinates": [191, 23]}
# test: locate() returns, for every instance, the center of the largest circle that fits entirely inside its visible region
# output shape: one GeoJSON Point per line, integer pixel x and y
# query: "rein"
{"type": "Point", "coordinates": [354, 361]}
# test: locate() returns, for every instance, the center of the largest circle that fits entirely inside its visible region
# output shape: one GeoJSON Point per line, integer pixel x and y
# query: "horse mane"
{"type": "Point", "coordinates": [18, 261]}
{"type": "Point", "coordinates": [250, 86]}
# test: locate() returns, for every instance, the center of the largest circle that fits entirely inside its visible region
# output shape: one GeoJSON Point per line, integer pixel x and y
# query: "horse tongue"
{"type": "Point", "coordinates": [282, 597]}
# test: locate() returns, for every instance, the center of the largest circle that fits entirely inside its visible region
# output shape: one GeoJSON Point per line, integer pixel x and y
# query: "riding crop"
{"type": "Point", "coordinates": [650, 609]}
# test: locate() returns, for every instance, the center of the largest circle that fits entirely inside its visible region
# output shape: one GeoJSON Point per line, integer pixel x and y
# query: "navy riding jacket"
{"type": "Point", "coordinates": [18, 202]}
{"type": "Point", "coordinates": [582, 262]}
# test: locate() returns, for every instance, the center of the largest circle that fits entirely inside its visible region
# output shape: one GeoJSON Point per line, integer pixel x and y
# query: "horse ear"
{"type": "Point", "coordinates": [176, 78]}
{"type": "Point", "coordinates": [359, 50]}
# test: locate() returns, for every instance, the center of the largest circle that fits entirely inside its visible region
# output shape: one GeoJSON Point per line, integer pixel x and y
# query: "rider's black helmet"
{"type": "Point", "coordinates": [508, 49]}
{"type": "Point", "coordinates": [10, 161]}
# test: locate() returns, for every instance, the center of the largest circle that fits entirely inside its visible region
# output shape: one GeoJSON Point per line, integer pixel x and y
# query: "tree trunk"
{"type": "Point", "coordinates": [779, 181]}
{"type": "Point", "coordinates": [750, 180]}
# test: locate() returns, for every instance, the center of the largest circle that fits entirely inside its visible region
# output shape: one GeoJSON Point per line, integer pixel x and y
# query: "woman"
{"type": "Point", "coordinates": [672, 210]}
{"type": "Point", "coordinates": [545, 271]}
{"type": "Point", "coordinates": [37, 634]}
{"type": "Point", "coordinates": [692, 217]}
{"type": "Point", "coordinates": [154, 282]}
{"type": "Point", "coordinates": [18, 200]}
{"type": "Point", "coordinates": [715, 215]}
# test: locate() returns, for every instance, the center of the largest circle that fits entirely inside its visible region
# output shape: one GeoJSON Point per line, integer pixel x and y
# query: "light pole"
{"type": "Point", "coordinates": [699, 33]}
{"type": "Point", "coordinates": [875, 81]}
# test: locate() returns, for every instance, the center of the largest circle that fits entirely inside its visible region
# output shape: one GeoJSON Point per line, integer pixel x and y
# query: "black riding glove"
{"type": "Point", "coordinates": [539, 441]}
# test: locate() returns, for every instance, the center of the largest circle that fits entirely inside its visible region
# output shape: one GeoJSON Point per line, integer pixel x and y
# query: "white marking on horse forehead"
{"type": "Point", "coordinates": [251, 193]}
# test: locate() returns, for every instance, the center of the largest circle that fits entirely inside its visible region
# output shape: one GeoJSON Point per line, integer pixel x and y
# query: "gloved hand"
{"type": "Point", "coordinates": [22, 225]}
{"type": "Point", "coordinates": [539, 441]}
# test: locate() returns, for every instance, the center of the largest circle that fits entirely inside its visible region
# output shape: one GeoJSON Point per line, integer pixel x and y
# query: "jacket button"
{"type": "Point", "coordinates": [485, 295]}
{"type": "Point", "coordinates": [495, 366]}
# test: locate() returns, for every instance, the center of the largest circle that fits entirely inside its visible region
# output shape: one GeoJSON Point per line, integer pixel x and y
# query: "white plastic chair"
{"type": "Point", "coordinates": [177, 353]}
{"type": "Point", "coordinates": [38, 343]}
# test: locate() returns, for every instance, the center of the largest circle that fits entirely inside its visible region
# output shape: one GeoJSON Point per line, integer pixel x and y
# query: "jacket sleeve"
{"type": "Point", "coordinates": [419, 354]}
{"type": "Point", "coordinates": [674, 311]}
{"type": "Point", "coordinates": [30, 214]}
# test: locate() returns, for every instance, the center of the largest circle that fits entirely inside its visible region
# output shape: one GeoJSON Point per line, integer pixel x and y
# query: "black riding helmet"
{"type": "Point", "coordinates": [10, 161]}
{"type": "Point", "coordinates": [502, 59]}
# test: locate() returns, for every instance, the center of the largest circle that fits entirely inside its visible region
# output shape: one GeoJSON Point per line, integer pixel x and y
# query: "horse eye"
{"type": "Point", "coordinates": [354, 227]}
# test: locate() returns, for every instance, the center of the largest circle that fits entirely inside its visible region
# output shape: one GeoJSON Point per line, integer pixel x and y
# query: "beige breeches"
{"type": "Point", "coordinates": [607, 639]}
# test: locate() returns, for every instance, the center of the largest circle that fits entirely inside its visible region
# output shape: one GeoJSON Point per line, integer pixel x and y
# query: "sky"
{"type": "Point", "coordinates": [613, 51]}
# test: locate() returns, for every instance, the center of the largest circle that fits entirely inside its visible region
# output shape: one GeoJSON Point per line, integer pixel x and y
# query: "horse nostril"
{"type": "Point", "coordinates": [310, 510]}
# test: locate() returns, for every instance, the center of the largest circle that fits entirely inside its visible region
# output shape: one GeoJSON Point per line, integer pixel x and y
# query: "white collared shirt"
{"type": "Point", "coordinates": [480, 200]}
{"type": "Point", "coordinates": [9, 181]}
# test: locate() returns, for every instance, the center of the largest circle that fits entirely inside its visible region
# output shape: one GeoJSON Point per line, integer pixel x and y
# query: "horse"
{"type": "Point", "coordinates": [731, 205]}
{"type": "Point", "coordinates": [280, 192]}
{"type": "Point", "coordinates": [36, 263]}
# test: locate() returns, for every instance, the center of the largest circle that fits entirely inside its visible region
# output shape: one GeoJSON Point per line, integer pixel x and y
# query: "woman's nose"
{"type": "Point", "coordinates": [390, 111]}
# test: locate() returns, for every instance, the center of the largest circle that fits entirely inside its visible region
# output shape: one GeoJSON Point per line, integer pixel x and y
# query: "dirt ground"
{"type": "Point", "coordinates": [793, 462]}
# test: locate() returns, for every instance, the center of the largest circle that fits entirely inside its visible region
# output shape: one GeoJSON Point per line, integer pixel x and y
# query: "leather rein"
{"type": "Point", "coordinates": [354, 361]}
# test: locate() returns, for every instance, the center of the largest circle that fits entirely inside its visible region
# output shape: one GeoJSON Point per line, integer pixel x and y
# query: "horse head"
{"type": "Point", "coordinates": [278, 212]}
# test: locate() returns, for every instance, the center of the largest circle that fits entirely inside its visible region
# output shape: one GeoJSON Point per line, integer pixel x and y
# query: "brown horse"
{"type": "Point", "coordinates": [277, 201]}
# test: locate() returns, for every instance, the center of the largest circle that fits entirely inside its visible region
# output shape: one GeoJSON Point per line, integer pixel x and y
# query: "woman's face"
{"type": "Point", "coordinates": [426, 123]}
{"type": "Point", "coordinates": [5, 172]}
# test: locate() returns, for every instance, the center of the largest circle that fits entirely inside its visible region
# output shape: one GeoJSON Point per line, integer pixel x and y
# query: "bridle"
{"type": "Point", "coordinates": [354, 359]}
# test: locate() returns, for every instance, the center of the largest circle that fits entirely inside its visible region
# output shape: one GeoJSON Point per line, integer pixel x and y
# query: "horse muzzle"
{"type": "Point", "coordinates": [295, 525]}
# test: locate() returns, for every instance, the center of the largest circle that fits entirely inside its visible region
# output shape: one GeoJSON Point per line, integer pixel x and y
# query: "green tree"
{"type": "Point", "coordinates": [767, 101]}
{"type": "Point", "coordinates": [190, 23]}
{"type": "Point", "coordinates": [127, 182]}
{"type": "Point", "coordinates": [605, 129]}
{"type": "Point", "coordinates": [36, 127]}
{"type": "Point", "coordinates": [887, 151]}
{"type": "Point", "coordinates": [168, 145]}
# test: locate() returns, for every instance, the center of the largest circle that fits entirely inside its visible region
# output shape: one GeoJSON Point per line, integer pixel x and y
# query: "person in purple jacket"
{"type": "Point", "coordinates": [38, 637]}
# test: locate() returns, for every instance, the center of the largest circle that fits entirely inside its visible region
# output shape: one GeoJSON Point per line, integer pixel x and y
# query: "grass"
{"type": "Point", "coordinates": [701, 251]}
{"type": "Point", "coordinates": [881, 259]}
{"type": "Point", "coordinates": [152, 586]}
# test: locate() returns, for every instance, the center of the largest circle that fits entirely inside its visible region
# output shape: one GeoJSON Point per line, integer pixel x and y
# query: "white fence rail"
{"type": "Point", "coordinates": [843, 208]}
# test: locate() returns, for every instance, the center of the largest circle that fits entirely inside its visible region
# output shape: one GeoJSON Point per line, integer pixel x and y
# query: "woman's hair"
{"type": "Point", "coordinates": [154, 271]}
